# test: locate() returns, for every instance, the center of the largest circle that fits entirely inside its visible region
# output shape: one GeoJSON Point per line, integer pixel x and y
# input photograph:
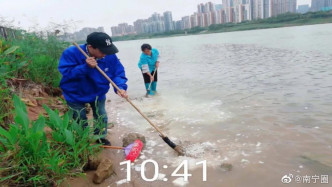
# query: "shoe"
{"type": "Point", "coordinates": [104, 141]}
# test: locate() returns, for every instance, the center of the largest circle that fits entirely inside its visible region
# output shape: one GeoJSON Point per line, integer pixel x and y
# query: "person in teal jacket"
{"type": "Point", "coordinates": [148, 64]}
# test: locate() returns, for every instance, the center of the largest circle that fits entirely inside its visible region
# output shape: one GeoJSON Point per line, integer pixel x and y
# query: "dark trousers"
{"type": "Point", "coordinates": [147, 77]}
{"type": "Point", "coordinates": [99, 115]}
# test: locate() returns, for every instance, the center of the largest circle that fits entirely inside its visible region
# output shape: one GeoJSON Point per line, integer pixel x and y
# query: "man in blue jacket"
{"type": "Point", "coordinates": [82, 83]}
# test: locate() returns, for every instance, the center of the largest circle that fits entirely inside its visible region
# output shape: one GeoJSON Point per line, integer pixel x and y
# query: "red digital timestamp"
{"type": "Point", "coordinates": [184, 164]}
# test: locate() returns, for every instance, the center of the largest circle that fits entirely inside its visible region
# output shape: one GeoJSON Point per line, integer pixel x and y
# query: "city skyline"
{"type": "Point", "coordinates": [216, 16]}
{"type": "Point", "coordinates": [37, 14]}
{"type": "Point", "coordinates": [209, 13]}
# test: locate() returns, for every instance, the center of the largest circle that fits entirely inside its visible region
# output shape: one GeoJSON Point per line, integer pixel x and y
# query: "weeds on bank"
{"type": "Point", "coordinates": [29, 57]}
{"type": "Point", "coordinates": [30, 157]}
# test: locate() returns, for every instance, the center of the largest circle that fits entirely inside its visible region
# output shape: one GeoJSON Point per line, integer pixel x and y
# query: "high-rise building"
{"type": "Point", "coordinates": [138, 25]}
{"type": "Point", "coordinates": [261, 9]}
{"type": "Point", "coordinates": [218, 7]}
{"type": "Point", "coordinates": [303, 9]}
{"type": "Point", "coordinates": [200, 18]}
{"type": "Point", "coordinates": [179, 25]}
{"type": "Point", "coordinates": [214, 17]}
{"type": "Point", "coordinates": [168, 21]}
{"type": "Point", "coordinates": [227, 7]}
{"type": "Point", "coordinates": [237, 10]}
{"type": "Point", "coordinates": [206, 14]}
{"type": "Point", "coordinates": [206, 8]}
{"type": "Point", "coordinates": [282, 7]}
{"type": "Point", "coordinates": [221, 17]}
{"type": "Point", "coordinates": [194, 20]}
{"type": "Point", "coordinates": [154, 24]}
{"type": "Point", "coordinates": [328, 5]}
{"type": "Point", "coordinates": [209, 7]}
{"type": "Point", "coordinates": [123, 29]}
{"type": "Point", "coordinates": [186, 22]}
{"type": "Point", "coordinates": [200, 8]}
{"type": "Point", "coordinates": [267, 8]}
{"type": "Point", "coordinates": [318, 5]}
{"type": "Point", "coordinates": [206, 20]}
{"type": "Point", "coordinates": [155, 17]}
{"type": "Point", "coordinates": [115, 31]}
{"type": "Point", "coordinates": [209, 18]}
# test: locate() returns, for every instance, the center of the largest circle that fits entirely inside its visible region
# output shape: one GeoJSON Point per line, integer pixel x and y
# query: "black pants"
{"type": "Point", "coordinates": [147, 77]}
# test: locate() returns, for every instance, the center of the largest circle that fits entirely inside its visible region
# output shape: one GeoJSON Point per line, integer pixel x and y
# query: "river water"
{"type": "Point", "coordinates": [258, 100]}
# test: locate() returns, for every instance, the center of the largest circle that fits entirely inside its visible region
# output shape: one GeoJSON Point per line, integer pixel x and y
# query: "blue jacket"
{"type": "Point", "coordinates": [147, 63]}
{"type": "Point", "coordinates": [82, 84]}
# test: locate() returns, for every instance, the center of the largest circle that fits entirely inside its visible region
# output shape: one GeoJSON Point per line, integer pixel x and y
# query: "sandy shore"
{"type": "Point", "coordinates": [154, 149]}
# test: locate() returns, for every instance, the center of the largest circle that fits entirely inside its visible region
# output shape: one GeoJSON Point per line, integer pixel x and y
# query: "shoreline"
{"type": "Point", "coordinates": [235, 28]}
{"type": "Point", "coordinates": [154, 149]}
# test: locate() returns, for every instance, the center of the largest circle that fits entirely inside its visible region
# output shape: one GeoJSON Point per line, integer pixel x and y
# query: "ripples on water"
{"type": "Point", "coordinates": [258, 108]}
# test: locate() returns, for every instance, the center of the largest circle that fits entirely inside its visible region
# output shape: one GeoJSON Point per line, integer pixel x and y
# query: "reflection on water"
{"type": "Point", "coordinates": [261, 108]}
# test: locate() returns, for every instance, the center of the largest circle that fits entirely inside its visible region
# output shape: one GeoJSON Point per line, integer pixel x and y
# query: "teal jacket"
{"type": "Point", "coordinates": [148, 63]}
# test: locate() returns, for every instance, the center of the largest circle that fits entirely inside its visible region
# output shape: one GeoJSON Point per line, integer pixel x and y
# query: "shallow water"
{"type": "Point", "coordinates": [259, 100]}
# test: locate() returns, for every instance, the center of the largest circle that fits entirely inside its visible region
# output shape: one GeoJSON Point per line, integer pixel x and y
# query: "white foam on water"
{"type": "Point", "coordinates": [180, 182]}
{"type": "Point", "coordinates": [151, 143]}
{"type": "Point", "coordinates": [123, 181]}
{"type": "Point", "coordinates": [208, 144]}
{"type": "Point", "coordinates": [196, 150]}
{"type": "Point", "coordinates": [150, 151]}
{"type": "Point", "coordinates": [195, 133]}
{"type": "Point", "coordinates": [142, 157]}
{"type": "Point", "coordinates": [245, 161]}
{"type": "Point", "coordinates": [138, 167]}
{"type": "Point", "coordinates": [161, 176]}
{"type": "Point", "coordinates": [244, 154]}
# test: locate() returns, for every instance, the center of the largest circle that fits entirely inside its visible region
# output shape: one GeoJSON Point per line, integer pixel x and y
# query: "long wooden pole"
{"type": "Point", "coordinates": [112, 147]}
{"type": "Point", "coordinates": [118, 89]}
{"type": "Point", "coordinates": [162, 135]}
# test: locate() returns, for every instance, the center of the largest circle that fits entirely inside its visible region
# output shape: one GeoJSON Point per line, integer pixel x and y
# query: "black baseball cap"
{"type": "Point", "coordinates": [103, 42]}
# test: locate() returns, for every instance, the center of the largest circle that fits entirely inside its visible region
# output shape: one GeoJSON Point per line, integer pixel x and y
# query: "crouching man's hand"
{"type": "Point", "coordinates": [122, 93]}
{"type": "Point", "coordinates": [92, 63]}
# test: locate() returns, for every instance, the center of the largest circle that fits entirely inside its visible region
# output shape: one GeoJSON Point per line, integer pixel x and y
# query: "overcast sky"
{"type": "Point", "coordinates": [37, 14]}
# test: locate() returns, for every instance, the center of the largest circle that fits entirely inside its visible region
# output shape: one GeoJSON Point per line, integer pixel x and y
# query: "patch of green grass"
{"type": "Point", "coordinates": [43, 69]}
{"type": "Point", "coordinates": [9, 65]}
{"type": "Point", "coordinates": [41, 56]}
{"type": "Point", "coordinates": [30, 57]}
{"type": "Point", "coordinates": [6, 106]}
{"type": "Point", "coordinates": [30, 157]}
